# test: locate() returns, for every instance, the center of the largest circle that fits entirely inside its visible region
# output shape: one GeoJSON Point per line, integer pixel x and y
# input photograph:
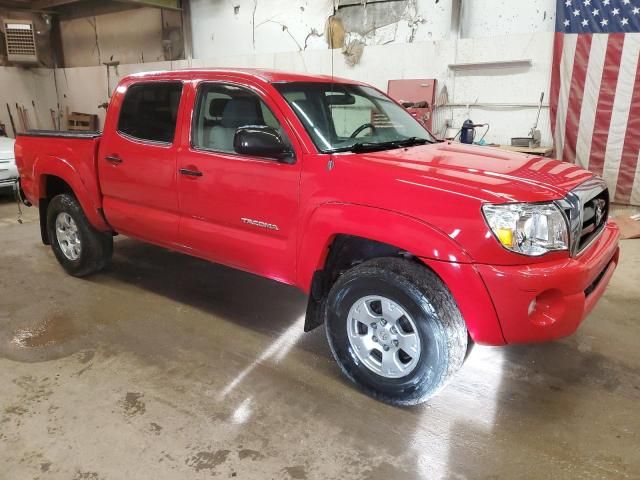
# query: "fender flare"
{"type": "Point", "coordinates": [50, 165]}
{"type": "Point", "coordinates": [386, 226]}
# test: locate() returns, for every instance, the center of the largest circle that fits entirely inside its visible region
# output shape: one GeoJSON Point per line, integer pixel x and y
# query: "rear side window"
{"type": "Point", "coordinates": [150, 111]}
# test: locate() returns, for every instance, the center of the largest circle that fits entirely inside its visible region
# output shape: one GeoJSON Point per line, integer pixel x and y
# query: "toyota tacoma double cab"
{"type": "Point", "coordinates": [410, 249]}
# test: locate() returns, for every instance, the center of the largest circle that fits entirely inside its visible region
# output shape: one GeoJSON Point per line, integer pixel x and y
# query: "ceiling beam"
{"type": "Point", "coordinates": [18, 4]}
{"type": "Point", "coordinates": [47, 4]}
{"type": "Point", "coordinates": [170, 4]}
{"type": "Point", "coordinates": [64, 5]}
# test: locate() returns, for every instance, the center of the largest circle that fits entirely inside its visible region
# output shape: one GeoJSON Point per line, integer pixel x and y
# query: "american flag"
{"type": "Point", "coordinates": [595, 91]}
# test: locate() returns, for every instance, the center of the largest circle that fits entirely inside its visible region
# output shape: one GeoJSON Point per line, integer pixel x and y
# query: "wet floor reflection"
{"type": "Point", "coordinates": [276, 352]}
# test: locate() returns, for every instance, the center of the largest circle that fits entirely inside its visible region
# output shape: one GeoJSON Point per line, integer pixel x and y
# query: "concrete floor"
{"type": "Point", "coordinates": [167, 367]}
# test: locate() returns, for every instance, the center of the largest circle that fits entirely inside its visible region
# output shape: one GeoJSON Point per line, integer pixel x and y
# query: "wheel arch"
{"type": "Point", "coordinates": [79, 248]}
{"type": "Point", "coordinates": [340, 236]}
{"type": "Point", "coordinates": [55, 175]}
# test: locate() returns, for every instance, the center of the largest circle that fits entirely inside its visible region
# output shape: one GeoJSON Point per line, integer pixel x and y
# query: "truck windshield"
{"type": "Point", "coordinates": [342, 117]}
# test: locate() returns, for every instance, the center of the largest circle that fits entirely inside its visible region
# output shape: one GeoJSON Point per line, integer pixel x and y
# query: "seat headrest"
{"type": "Point", "coordinates": [239, 112]}
{"type": "Point", "coordinates": [217, 106]}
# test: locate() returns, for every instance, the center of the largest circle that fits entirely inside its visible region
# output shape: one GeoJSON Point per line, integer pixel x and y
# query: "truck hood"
{"type": "Point", "coordinates": [488, 174]}
{"type": "Point", "coordinates": [6, 149]}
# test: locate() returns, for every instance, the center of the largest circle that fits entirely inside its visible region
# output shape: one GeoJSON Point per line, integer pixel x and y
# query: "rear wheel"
{"type": "Point", "coordinates": [395, 330]}
{"type": "Point", "coordinates": [79, 248]}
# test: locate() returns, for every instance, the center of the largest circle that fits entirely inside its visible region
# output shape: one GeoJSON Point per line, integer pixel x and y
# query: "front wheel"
{"type": "Point", "coordinates": [395, 330]}
{"type": "Point", "coordinates": [79, 248]}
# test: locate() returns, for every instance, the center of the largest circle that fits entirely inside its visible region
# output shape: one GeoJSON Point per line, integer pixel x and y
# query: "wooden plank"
{"type": "Point", "coordinates": [542, 151]}
{"type": "Point", "coordinates": [82, 122]}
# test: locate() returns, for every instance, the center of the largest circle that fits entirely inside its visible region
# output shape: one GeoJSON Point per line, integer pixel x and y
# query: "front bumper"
{"type": "Point", "coordinates": [544, 301]}
{"type": "Point", "coordinates": [9, 183]}
{"type": "Point", "coordinates": [8, 173]}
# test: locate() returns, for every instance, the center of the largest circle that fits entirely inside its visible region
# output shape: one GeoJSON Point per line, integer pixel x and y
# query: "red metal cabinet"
{"type": "Point", "coordinates": [415, 91]}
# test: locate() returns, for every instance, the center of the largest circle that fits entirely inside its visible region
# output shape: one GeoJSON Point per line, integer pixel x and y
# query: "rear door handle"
{"type": "Point", "coordinates": [190, 173]}
{"type": "Point", "coordinates": [114, 159]}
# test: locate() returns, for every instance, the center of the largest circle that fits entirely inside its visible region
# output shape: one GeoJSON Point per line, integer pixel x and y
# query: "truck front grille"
{"type": "Point", "coordinates": [594, 218]}
{"type": "Point", "coordinates": [587, 211]}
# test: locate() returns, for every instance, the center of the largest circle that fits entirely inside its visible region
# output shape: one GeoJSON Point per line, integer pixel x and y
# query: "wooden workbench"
{"type": "Point", "coordinates": [541, 151]}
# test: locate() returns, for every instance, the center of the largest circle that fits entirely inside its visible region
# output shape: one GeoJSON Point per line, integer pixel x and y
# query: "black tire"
{"type": "Point", "coordinates": [97, 247]}
{"type": "Point", "coordinates": [470, 345]}
{"type": "Point", "coordinates": [421, 293]}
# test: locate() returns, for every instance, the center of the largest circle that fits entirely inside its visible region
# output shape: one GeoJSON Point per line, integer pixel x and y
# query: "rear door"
{"type": "Point", "coordinates": [236, 209]}
{"type": "Point", "coordinates": [137, 162]}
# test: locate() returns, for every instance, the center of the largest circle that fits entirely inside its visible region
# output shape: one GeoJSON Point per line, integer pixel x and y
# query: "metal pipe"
{"type": "Point", "coordinates": [492, 105]}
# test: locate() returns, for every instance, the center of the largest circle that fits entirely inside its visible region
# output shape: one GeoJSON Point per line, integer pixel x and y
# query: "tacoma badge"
{"type": "Point", "coordinates": [257, 223]}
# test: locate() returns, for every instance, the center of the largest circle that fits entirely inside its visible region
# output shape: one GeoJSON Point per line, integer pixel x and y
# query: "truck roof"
{"type": "Point", "coordinates": [264, 75]}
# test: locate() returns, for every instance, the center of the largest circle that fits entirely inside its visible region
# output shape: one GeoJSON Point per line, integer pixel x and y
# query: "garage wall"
{"type": "Point", "coordinates": [268, 26]}
{"type": "Point", "coordinates": [486, 18]}
{"type": "Point", "coordinates": [422, 41]}
{"type": "Point", "coordinates": [24, 86]}
{"type": "Point", "coordinates": [412, 39]}
{"type": "Point", "coordinates": [83, 89]}
{"type": "Point", "coordinates": [131, 36]}
{"type": "Point", "coordinates": [431, 60]}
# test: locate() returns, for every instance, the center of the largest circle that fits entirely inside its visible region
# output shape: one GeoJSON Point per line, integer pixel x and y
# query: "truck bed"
{"type": "Point", "coordinates": [49, 159]}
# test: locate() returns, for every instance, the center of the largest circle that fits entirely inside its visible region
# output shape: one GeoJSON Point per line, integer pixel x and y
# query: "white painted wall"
{"type": "Point", "coordinates": [488, 18]}
{"type": "Point", "coordinates": [490, 30]}
{"type": "Point", "coordinates": [258, 25]}
{"type": "Point", "coordinates": [270, 26]}
{"type": "Point", "coordinates": [216, 28]}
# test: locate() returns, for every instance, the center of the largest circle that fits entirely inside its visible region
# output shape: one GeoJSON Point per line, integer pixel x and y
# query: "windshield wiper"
{"type": "Point", "coordinates": [411, 141]}
{"type": "Point", "coordinates": [360, 147]}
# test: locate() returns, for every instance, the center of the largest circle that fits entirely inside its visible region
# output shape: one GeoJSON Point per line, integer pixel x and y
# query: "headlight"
{"type": "Point", "coordinates": [530, 229]}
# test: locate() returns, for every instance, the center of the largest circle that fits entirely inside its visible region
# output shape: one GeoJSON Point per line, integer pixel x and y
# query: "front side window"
{"type": "Point", "coordinates": [150, 111]}
{"type": "Point", "coordinates": [341, 117]}
{"type": "Point", "coordinates": [222, 109]}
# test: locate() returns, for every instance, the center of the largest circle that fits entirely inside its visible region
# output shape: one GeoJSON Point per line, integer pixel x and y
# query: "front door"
{"type": "Point", "coordinates": [137, 163]}
{"type": "Point", "coordinates": [238, 210]}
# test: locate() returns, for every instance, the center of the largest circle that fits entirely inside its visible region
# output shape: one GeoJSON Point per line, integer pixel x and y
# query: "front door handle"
{"type": "Point", "coordinates": [114, 159]}
{"type": "Point", "coordinates": [190, 173]}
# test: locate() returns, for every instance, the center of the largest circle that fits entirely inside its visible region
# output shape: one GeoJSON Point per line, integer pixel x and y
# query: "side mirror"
{"type": "Point", "coordinates": [262, 141]}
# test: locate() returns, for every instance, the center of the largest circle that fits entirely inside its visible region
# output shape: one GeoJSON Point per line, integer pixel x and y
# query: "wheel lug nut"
{"type": "Point", "coordinates": [393, 330]}
{"type": "Point", "coordinates": [386, 348]}
{"type": "Point", "coordinates": [396, 343]}
{"type": "Point", "coordinates": [375, 339]}
{"type": "Point", "coordinates": [374, 325]}
{"type": "Point", "coordinates": [383, 322]}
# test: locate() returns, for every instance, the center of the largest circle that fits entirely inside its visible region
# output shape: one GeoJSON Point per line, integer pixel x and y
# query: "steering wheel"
{"type": "Point", "coordinates": [363, 127]}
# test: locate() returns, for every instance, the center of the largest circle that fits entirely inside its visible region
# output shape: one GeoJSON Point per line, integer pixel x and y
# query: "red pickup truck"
{"type": "Point", "coordinates": [411, 249]}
